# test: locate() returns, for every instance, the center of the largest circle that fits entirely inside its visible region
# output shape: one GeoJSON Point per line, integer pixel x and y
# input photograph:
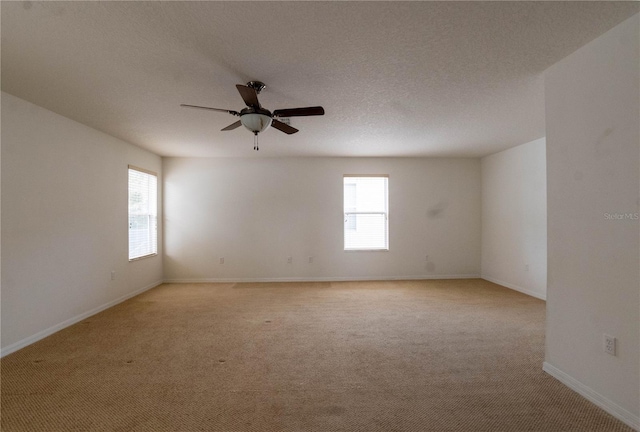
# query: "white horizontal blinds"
{"type": "Point", "coordinates": [366, 211]}
{"type": "Point", "coordinates": [143, 213]}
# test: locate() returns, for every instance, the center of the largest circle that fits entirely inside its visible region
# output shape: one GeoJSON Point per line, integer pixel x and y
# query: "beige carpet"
{"type": "Point", "coordinates": [457, 355]}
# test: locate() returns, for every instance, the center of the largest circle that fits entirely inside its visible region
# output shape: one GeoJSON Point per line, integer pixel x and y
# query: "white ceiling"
{"type": "Point", "coordinates": [395, 78]}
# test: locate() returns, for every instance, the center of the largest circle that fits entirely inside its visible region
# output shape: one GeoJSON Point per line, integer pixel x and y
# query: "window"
{"type": "Point", "coordinates": [143, 213]}
{"type": "Point", "coordinates": [366, 212]}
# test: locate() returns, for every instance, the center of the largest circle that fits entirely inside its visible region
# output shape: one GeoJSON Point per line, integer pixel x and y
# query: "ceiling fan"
{"type": "Point", "coordinates": [256, 118]}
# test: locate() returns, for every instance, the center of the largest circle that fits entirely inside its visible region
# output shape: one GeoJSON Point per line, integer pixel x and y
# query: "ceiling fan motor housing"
{"type": "Point", "coordinates": [258, 86]}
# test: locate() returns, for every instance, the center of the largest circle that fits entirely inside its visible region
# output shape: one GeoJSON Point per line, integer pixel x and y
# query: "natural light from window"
{"type": "Point", "coordinates": [143, 213]}
{"type": "Point", "coordinates": [366, 212]}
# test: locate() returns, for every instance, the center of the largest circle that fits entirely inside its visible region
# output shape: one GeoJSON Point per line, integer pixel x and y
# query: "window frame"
{"type": "Point", "coordinates": [385, 213]}
{"type": "Point", "coordinates": [150, 215]}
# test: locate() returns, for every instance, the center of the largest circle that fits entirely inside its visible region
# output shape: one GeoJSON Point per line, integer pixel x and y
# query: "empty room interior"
{"type": "Point", "coordinates": [320, 216]}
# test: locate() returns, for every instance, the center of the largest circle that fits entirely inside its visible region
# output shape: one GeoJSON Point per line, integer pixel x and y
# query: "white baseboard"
{"type": "Point", "coordinates": [609, 406]}
{"type": "Point", "coordinates": [51, 330]}
{"type": "Point", "coordinates": [321, 279]}
{"type": "Point", "coordinates": [515, 287]}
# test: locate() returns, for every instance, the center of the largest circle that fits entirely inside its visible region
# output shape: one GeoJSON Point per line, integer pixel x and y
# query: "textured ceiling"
{"type": "Point", "coordinates": [395, 78]}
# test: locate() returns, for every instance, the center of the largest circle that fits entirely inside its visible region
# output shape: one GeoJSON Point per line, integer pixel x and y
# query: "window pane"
{"type": "Point", "coordinates": [143, 208]}
{"type": "Point", "coordinates": [370, 193]}
{"type": "Point", "coordinates": [370, 232]}
{"type": "Point", "coordinates": [350, 204]}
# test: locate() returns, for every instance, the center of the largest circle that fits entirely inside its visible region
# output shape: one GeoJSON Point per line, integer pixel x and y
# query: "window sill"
{"type": "Point", "coordinates": [143, 257]}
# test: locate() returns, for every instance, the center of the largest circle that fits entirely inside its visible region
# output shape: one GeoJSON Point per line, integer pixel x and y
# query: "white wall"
{"type": "Point", "coordinates": [593, 166]}
{"type": "Point", "coordinates": [255, 212]}
{"type": "Point", "coordinates": [514, 218]}
{"type": "Point", "coordinates": [64, 222]}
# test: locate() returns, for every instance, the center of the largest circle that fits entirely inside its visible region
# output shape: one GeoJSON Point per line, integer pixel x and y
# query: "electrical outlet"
{"type": "Point", "coordinates": [113, 275]}
{"type": "Point", "coordinates": [609, 344]}
{"type": "Point", "coordinates": [289, 260]}
{"type": "Point", "coordinates": [221, 260]}
{"type": "Point", "coordinates": [310, 260]}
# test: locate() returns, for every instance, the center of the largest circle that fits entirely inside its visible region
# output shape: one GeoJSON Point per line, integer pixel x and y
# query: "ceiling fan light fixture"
{"type": "Point", "coordinates": [255, 122]}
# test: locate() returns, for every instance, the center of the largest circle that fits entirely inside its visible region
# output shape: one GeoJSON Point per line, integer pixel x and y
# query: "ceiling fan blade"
{"type": "Point", "coordinates": [299, 112]}
{"type": "Point", "coordinates": [236, 113]}
{"type": "Point", "coordinates": [232, 126]}
{"type": "Point", "coordinates": [283, 127]}
{"type": "Point", "coordinates": [249, 95]}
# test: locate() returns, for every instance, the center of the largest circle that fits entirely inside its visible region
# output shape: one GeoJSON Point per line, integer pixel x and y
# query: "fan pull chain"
{"type": "Point", "coordinates": [255, 141]}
